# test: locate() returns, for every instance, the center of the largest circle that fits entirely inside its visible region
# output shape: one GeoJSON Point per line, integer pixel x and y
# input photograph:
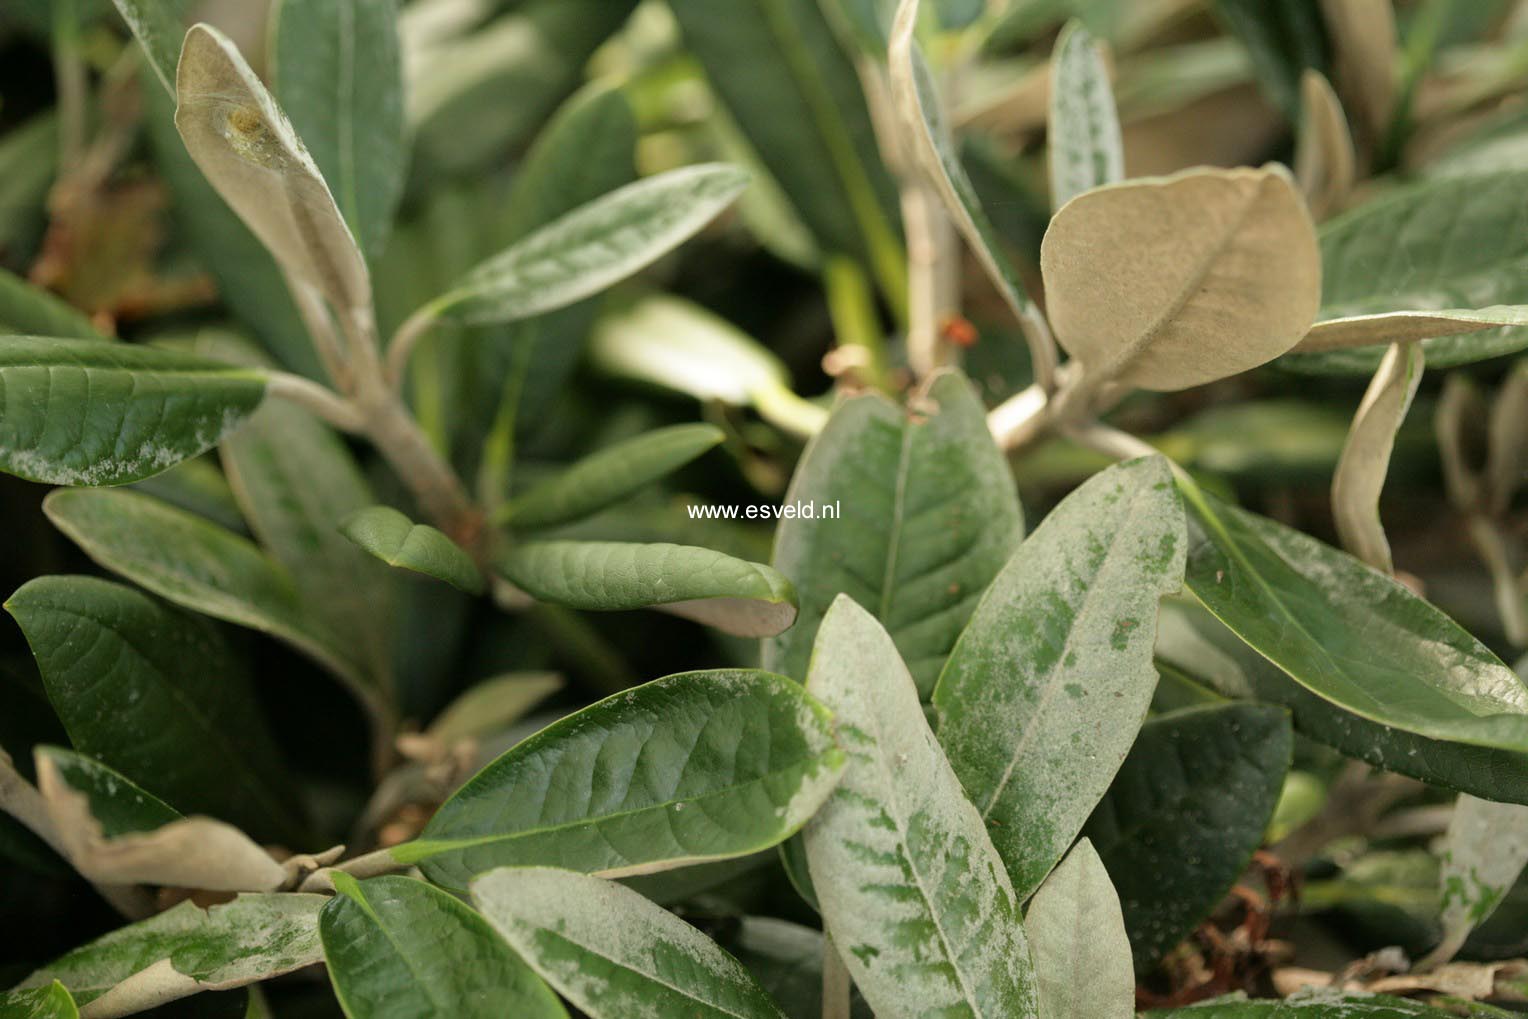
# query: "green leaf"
{"type": "Point", "coordinates": [1283, 37]}
{"type": "Point", "coordinates": [398, 541]}
{"type": "Point", "coordinates": [594, 246]}
{"type": "Point", "coordinates": [199, 487]}
{"type": "Point", "coordinates": [1045, 690]}
{"type": "Point", "coordinates": [670, 342]}
{"type": "Point", "coordinates": [693, 767]}
{"type": "Point", "coordinates": [116, 801]}
{"type": "Point", "coordinates": [249, 152]}
{"type": "Point", "coordinates": [159, 27]}
{"type": "Point", "coordinates": [912, 890]}
{"type": "Point", "coordinates": [1396, 255]}
{"type": "Point", "coordinates": [933, 146]}
{"type": "Point", "coordinates": [929, 516]}
{"type": "Point", "coordinates": [295, 480]}
{"type": "Point", "coordinates": [536, 51]}
{"type": "Point", "coordinates": [610, 475]}
{"type": "Point", "coordinates": [1352, 636]}
{"type": "Point", "coordinates": [158, 695]}
{"type": "Point", "coordinates": [25, 308]}
{"type": "Point", "coordinates": [492, 705]}
{"type": "Point", "coordinates": [1077, 933]}
{"type": "Point", "coordinates": [199, 566]}
{"type": "Point", "coordinates": [733, 595]}
{"type": "Point", "coordinates": [1086, 148]}
{"type": "Point", "coordinates": [1185, 814]}
{"type": "Point", "coordinates": [1311, 1004]}
{"type": "Point", "coordinates": [29, 154]}
{"type": "Point", "coordinates": [611, 952]}
{"type": "Point", "coordinates": [77, 412]}
{"type": "Point", "coordinates": [585, 151]}
{"type": "Point", "coordinates": [1197, 643]}
{"type": "Point", "coordinates": [398, 949]}
{"type": "Point", "coordinates": [788, 83]}
{"type": "Point", "coordinates": [339, 77]}
{"type": "Point", "coordinates": [50, 1002]}
{"type": "Point", "coordinates": [187, 949]}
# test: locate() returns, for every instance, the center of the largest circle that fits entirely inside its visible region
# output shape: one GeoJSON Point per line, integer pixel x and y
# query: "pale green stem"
{"type": "Point", "coordinates": [855, 322]}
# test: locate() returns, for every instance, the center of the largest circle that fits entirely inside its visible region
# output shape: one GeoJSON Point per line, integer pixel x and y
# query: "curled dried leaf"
{"type": "Point", "coordinates": [249, 152]}
{"type": "Point", "coordinates": [1172, 282]}
{"type": "Point", "coordinates": [192, 852]}
{"type": "Point", "coordinates": [1365, 459]}
{"type": "Point", "coordinates": [1325, 163]}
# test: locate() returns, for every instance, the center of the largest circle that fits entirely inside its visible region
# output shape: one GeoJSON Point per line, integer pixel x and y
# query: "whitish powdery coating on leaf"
{"type": "Point", "coordinates": [1044, 692]}
{"type": "Point", "coordinates": [187, 949]}
{"type": "Point", "coordinates": [249, 152]}
{"type": "Point", "coordinates": [911, 888]}
{"type": "Point", "coordinates": [613, 953]}
{"type": "Point", "coordinates": [1082, 954]}
{"type": "Point", "coordinates": [1483, 853]}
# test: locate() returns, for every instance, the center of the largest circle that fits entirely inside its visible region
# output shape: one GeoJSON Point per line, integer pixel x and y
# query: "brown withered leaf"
{"type": "Point", "coordinates": [193, 852]}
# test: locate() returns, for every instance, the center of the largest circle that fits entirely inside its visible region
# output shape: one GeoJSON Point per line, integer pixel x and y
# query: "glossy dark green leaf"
{"type": "Point", "coordinates": [735, 596]}
{"type": "Point", "coordinates": [338, 76]}
{"type": "Point", "coordinates": [296, 480]}
{"type": "Point", "coordinates": [1185, 814]}
{"type": "Point", "coordinates": [185, 950]}
{"type": "Point", "coordinates": [928, 516]}
{"type": "Point", "coordinates": [789, 84]}
{"type": "Point", "coordinates": [1395, 255]}
{"type": "Point", "coordinates": [398, 541]}
{"type": "Point", "coordinates": [198, 566]}
{"type": "Point", "coordinates": [1283, 37]}
{"type": "Point", "coordinates": [1306, 1005]}
{"type": "Point", "coordinates": [689, 768]}
{"type": "Point", "coordinates": [611, 952]}
{"type": "Point", "coordinates": [1043, 694]}
{"type": "Point", "coordinates": [593, 247]}
{"type": "Point", "coordinates": [397, 948]}
{"type": "Point", "coordinates": [912, 891]}
{"type": "Point", "coordinates": [610, 475]}
{"type": "Point", "coordinates": [1085, 146]}
{"type": "Point", "coordinates": [158, 695]}
{"type": "Point", "coordinates": [77, 412]}
{"type": "Point", "coordinates": [1194, 641]}
{"type": "Point", "coordinates": [50, 1002]}
{"type": "Point", "coordinates": [30, 310]}
{"type": "Point", "coordinates": [1348, 634]}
